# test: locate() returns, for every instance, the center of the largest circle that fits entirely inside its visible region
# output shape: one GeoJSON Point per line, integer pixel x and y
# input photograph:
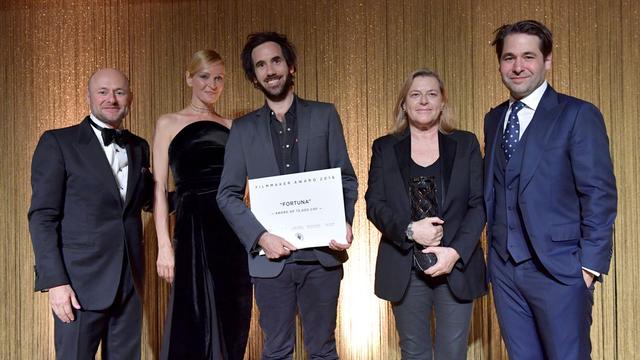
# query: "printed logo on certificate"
{"type": "Point", "coordinates": [306, 209]}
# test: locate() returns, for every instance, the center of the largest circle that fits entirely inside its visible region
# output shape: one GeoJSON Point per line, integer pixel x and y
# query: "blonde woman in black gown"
{"type": "Point", "coordinates": [210, 304]}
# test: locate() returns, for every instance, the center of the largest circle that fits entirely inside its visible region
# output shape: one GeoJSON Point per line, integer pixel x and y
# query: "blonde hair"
{"type": "Point", "coordinates": [445, 121]}
{"type": "Point", "coordinates": [201, 58]}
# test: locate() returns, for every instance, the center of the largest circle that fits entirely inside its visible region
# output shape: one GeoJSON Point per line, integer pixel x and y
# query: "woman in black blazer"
{"type": "Point", "coordinates": [425, 143]}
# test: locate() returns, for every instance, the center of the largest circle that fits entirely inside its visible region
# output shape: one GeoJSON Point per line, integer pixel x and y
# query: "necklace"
{"type": "Point", "coordinates": [200, 109]}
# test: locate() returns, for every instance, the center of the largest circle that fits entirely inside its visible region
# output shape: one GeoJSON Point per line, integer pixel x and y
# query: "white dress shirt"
{"type": "Point", "coordinates": [117, 157]}
{"type": "Point", "coordinates": [525, 115]}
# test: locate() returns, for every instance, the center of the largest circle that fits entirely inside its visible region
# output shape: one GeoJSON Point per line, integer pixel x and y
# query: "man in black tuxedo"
{"type": "Point", "coordinates": [89, 184]}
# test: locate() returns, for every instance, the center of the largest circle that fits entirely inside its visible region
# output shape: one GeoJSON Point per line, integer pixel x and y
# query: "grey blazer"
{"type": "Point", "coordinates": [249, 154]}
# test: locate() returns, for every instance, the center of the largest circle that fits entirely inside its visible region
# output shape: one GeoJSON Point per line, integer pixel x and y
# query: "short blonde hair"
{"type": "Point", "coordinates": [201, 58]}
{"type": "Point", "coordinates": [445, 121]}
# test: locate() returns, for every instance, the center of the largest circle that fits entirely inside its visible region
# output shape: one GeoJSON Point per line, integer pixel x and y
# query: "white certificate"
{"type": "Point", "coordinates": [306, 209]}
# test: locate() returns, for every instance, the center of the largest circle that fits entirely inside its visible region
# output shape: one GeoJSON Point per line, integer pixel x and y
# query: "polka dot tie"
{"type": "Point", "coordinates": [511, 134]}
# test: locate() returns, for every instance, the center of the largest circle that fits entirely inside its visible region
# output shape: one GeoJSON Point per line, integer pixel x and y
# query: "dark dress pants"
{"type": "Point", "coordinates": [413, 320]}
{"type": "Point", "coordinates": [313, 290]}
{"type": "Point", "coordinates": [118, 327]}
{"type": "Point", "coordinates": [539, 317]}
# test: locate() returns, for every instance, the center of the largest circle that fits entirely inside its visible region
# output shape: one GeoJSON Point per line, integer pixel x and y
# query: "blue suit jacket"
{"type": "Point", "coordinates": [567, 195]}
{"type": "Point", "coordinates": [249, 154]}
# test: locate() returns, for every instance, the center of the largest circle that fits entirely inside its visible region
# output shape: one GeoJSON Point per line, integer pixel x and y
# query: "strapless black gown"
{"type": "Point", "coordinates": [210, 306]}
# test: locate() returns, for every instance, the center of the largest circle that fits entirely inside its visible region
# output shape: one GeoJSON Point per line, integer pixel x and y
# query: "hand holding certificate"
{"type": "Point", "coordinates": [306, 209]}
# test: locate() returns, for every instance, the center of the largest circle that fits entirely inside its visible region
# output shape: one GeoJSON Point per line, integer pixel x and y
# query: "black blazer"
{"type": "Point", "coordinates": [79, 224]}
{"type": "Point", "coordinates": [388, 208]}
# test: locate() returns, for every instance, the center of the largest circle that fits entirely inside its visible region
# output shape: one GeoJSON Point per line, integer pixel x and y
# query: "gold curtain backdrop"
{"type": "Point", "coordinates": [354, 53]}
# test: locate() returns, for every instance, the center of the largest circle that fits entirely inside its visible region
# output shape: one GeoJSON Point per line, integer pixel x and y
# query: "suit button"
{"type": "Point", "coordinates": [511, 227]}
{"type": "Point", "coordinates": [510, 208]}
{"type": "Point", "coordinates": [509, 187]}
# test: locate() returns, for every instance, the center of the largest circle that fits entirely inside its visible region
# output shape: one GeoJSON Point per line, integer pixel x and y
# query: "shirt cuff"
{"type": "Point", "coordinates": [256, 248]}
{"type": "Point", "coordinates": [595, 273]}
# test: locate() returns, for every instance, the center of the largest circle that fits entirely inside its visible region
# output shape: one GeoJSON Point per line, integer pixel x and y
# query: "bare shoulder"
{"type": "Point", "coordinates": [168, 125]}
{"type": "Point", "coordinates": [168, 120]}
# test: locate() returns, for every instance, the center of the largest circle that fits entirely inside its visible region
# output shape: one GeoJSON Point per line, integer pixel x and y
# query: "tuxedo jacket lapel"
{"type": "Point", "coordinates": [134, 158]}
{"type": "Point", "coordinates": [539, 130]}
{"type": "Point", "coordinates": [96, 162]}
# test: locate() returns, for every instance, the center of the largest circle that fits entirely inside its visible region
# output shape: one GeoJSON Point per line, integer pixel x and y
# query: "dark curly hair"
{"type": "Point", "coordinates": [256, 39]}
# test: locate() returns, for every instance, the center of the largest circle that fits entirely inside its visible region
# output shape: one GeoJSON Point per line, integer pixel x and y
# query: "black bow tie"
{"type": "Point", "coordinates": [120, 137]}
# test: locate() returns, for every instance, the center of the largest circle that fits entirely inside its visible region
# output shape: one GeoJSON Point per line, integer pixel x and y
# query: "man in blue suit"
{"type": "Point", "coordinates": [551, 202]}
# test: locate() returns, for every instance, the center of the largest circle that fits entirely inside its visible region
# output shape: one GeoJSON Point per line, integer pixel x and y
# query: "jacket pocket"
{"type": "Point", "coordinates": [77, 240]}
{"type": "Point", "coordinates": [565, 232]}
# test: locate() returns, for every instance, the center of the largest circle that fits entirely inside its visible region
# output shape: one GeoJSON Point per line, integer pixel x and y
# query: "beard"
{"type": "Point", "coordinates": [279, 94]}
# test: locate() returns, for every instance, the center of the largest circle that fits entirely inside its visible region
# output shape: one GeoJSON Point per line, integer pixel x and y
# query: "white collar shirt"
{"type": "Point", "coordinates": [116, 156]}
{"type": "Point", "coordinates": [525, 115]}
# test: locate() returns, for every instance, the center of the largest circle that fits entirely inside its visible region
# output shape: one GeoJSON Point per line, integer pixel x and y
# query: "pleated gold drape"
{"type": "Point", "coordinates": [354, 53]}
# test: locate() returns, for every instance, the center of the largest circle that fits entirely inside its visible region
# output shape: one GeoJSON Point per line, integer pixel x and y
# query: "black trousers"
{"type": "Point", "coordinates": [118, 327]}
{"type": "Point", "coordinates": [313, 290]}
